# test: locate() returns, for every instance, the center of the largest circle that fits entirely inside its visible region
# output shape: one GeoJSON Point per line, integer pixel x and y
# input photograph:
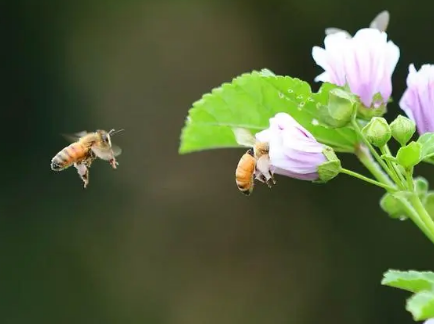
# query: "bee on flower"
{"type": "Point", "coordinates": [294, 152]}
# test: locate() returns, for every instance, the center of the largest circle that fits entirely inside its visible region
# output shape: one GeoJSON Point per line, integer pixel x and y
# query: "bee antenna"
{"type": "Point", "coordinates": [113, 132]}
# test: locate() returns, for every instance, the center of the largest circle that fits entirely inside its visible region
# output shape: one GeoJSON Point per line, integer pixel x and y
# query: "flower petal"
{"type": "Point", "coordinates": [365, 62]}
{"type": "Point", "coordinates": [418, 99]}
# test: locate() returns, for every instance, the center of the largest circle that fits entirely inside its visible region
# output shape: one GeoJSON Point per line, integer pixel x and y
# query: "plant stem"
{"type": "Point", "coordinates": [369, 180]}
{"type": "Point", "coordinates": [420, 208]}
{"type": "Point", "coordinates": [393, 165]}
{"type": "Point", "coordinates": [417, 213]}
{"type": "Point", "coordinates": [409, 176]}
{"type": "Point", "coordinates": [367, 160]}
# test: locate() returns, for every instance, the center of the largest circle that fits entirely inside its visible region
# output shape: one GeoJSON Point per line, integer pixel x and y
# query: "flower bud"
{"type": "Point", "coordinates": [403, 129]}
{"type": "Point", "coordinates": [429, 203]}
{"type": "Point", "coordinates": [392, 206]}
{"type": "Point", "coordinates": [421, 185]}
{"type": "Point", "coordinates": [377, 132]}
{"type": "Point", "coordinates": [341, 107]}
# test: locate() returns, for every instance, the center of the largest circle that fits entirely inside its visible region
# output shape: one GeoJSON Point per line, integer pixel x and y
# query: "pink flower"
{"type": "Point", "coordinates": [293, 151]}
{"type": "Point", "coordinates": [365, 62]}
{"type": "Point", "coordinates": [418, 99]}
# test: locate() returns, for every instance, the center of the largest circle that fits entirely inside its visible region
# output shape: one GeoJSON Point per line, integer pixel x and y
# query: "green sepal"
{"type": "Point", "coordinates": [410, 155]}
{"type": "Point", "coordinates": [368, 113]}
{"type": "Point", "coordinates": [330, 169]}
{"type": "Point", "coordinates": [341, 108]}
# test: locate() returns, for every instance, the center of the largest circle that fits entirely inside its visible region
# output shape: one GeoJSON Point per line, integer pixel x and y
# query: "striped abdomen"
{"type": "Point", "coordinates": [75, 152]}
{"type": "Point", "coordinates": [244, 173]}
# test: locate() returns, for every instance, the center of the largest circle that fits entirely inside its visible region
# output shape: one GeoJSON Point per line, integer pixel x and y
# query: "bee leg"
{"type": "Point", "coordinates": [113, 163]}
{"type": "Point", "coordinates": [262, 178]}
{"type": "Point", "coordinates": [264, 171]}
{"type": "Point", "coordinates": [83, 172]}
{"type": "Point", "coordinates": [267, 179]}
{"type": "Point", "coordinates": [272, 180]}
{"type": "Point", "coordinates": [268, 182]}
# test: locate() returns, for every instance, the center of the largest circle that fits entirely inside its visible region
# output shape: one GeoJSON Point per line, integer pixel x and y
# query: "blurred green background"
{"type": "Point", "coordinates": [168, 239]}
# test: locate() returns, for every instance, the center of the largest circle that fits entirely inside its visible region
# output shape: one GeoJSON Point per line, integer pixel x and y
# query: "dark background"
{"type": "Point", "coordinates": [166, 238]}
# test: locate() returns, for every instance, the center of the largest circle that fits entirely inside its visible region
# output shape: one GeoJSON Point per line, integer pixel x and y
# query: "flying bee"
{"type": "Point", "coordinates": [254, 164]}
{"type": "Point", "coordinates": [86, 148]}
{"type": "Point", "coordinates": [380, 22]}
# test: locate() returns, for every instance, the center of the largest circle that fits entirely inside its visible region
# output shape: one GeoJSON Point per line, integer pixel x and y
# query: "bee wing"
{"type": "Point", "coordinates": [107, 153]}
{"type": "Point", "coordinates": [381, 21]}
{"type": "Point", "coordinates": [333, 30]}
{"type": "Point", "coordinates": [74, 137]}
{"type": "Point", "coordinates": [116, 150]}
{"type": "Point", "coordinates": [244, 137]}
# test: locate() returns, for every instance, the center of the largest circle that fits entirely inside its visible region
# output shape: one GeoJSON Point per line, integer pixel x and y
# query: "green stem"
{"type": "Point", "coordinates": [399, 179]}
{"type": "Point", "coordinates": [367, 160]}
{"type": "Point", "coordinates": [369, 180]}
{"type": "Point", "coordinates": [418, 215]}
{"type": "Point", "coordinates": [420, 208]}
{"type": "Point", "coordinates": [409, 176]}
{"type": "Point", "coordinates": [374, 152]}
{"type": "Point", "coordinates": [395, 166]}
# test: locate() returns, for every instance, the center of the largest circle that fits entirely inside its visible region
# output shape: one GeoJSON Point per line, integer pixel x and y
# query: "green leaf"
{"type": "Point", "coordinates": [249, 101]}
{"type": "Point", "coordinates": [414, 281]}
{"type": "Point", "coordinates": [410, 155]}
{"type": "Point", "coordinates": [421, 305]}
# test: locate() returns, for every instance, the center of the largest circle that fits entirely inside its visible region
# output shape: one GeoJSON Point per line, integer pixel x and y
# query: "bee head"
{"type": "Point", "coordinates": [106, 136]}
